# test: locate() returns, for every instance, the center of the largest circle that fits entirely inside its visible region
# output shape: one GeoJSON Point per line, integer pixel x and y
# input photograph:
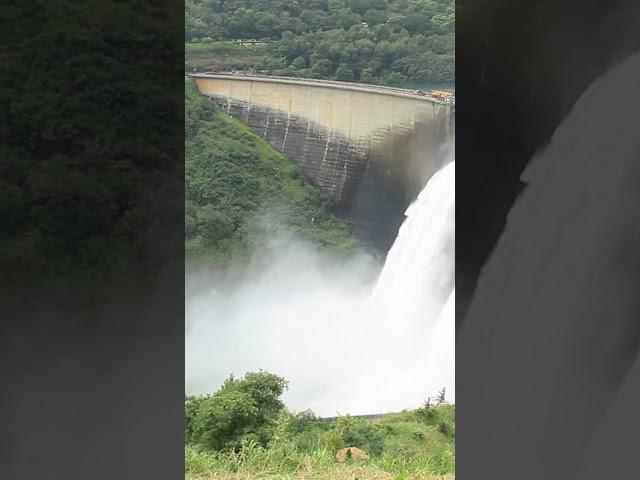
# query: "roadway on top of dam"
{"type": "Point", "coordinates": [312, 82]}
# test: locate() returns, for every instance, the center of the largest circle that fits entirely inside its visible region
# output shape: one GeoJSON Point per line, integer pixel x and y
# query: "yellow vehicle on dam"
{"type": "Point", "coordinates": [446, 96]}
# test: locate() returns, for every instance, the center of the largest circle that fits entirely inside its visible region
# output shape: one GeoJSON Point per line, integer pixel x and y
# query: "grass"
{"type": "Point", "coordinates": [414, 449]}
{"type": "Point", "coordinates": [283, 464]}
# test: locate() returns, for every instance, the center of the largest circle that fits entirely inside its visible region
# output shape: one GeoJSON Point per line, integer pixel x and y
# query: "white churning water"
{"type": "Point", "coordinates": [344, 343]}
{"type": "Point", "coordinates": [416, 290]}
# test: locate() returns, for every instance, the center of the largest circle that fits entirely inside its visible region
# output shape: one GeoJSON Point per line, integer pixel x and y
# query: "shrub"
{"type": "Point", "coordinates": [427, 415]}
{"type": "Point", "coordinates": [366, 436]}
{"type": "Point", "coordinates": [333, 441]}
{"type": "Point", "coordinates": [242, 410]}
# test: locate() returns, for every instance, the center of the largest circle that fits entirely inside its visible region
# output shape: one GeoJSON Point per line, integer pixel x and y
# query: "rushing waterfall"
{"type": "Point", "coordinates": [343, 346]}
{"type": "Point", "coordinates": [415, 289]}
{"type": "Point", "coordinates": [418, 274]}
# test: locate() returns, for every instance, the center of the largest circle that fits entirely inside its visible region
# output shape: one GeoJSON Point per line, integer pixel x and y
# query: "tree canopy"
{"type": "Point", "coordinates": [362, 40]}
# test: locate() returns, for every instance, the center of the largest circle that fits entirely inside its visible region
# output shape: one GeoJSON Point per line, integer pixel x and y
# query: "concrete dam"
{"type": "Point", "coordinates": [370, 148]}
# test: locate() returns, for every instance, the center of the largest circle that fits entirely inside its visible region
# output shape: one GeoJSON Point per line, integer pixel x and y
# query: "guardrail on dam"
{"type": "Point", "coordinates": [370, 148]}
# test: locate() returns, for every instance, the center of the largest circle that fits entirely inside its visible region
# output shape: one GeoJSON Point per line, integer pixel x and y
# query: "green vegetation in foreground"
{"type": "Point", "coordinates": [370, 41]}
{"type": "Point", "coordinates": [240, 192]}
{"type": "Point", "coordinates": [243, 431]}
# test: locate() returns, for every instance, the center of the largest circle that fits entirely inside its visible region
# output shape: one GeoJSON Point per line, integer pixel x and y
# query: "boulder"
{"type": "Point", "coordinates": [353, 452]}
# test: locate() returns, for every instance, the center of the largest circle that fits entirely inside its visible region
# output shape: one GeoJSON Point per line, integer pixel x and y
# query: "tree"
{"type": "Point", "coordinates": [444, 21]}
{"type": "Point", "coordinates": [192, 406]}
{"type": "Point", "coordinates": [213, 224]}
{"type": "Point", "coordinates": [361, 6]}
{"type": "Point", "coordinates": [242, 410]}
{"type": "Point", "coordinates": [441, 44]}
{"type": "Point", "coordinates": [299, 62]}
{"type": "Point", "coordinates": [321, 68]}
{"type": "Point", "coordinates": [344, 73]}
{"type": "Point", "coordinates": [417, 23]}
{"type": "Point", "coordinates": [375, 17]}
{"type": "Point", "coordinates": [440, 399]}
{"type": "Point", "coordinates": [336, 5]}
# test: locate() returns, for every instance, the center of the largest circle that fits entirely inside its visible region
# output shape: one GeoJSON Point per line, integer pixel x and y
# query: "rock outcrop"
{"type": "Point", "coordinates": [351, 452]}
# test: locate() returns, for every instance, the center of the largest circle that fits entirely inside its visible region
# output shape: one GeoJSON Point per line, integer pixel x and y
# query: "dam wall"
{"type": "Point", "coordinates": [371, 149]}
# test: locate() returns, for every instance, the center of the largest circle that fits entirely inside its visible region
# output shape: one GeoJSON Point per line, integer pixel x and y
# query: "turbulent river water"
{"type": "Point", "coordinates": [346, 339]}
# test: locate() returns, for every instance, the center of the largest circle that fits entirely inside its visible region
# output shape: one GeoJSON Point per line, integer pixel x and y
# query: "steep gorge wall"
{"type": "Point", "coordinates": [371, 149]}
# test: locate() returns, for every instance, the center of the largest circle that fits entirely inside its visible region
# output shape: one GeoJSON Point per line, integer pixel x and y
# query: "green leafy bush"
{"type": "Point", "coordinates": [243, 410]}
{"type": "Point", "coordinates": [333, 440]}
{"type": "Point", "coordinates": [364, 435]}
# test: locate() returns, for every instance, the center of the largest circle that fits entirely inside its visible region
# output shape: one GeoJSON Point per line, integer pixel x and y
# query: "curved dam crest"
{"type": "Point", "coordinates": [370, 148]}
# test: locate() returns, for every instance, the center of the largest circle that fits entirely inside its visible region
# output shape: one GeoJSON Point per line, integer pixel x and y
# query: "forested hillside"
{"type": "Point", "coordinates": [374, 41]}
{"type": "Point", "coordinates": [240, 191]}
